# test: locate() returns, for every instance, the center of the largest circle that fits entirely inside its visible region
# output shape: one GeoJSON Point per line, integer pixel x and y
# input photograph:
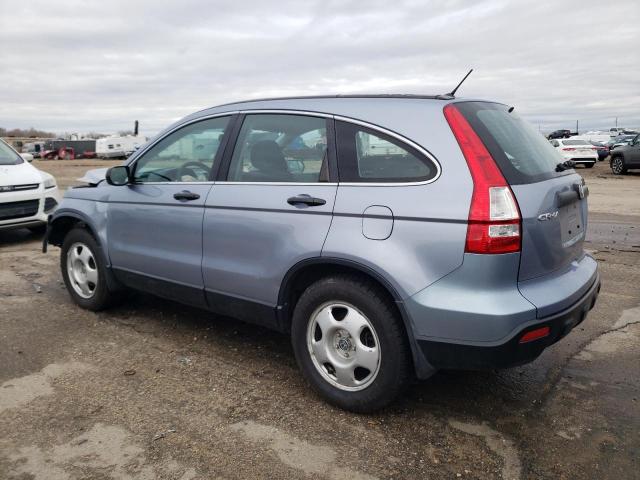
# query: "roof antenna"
{"type": "Point", "coordinates": [450, 95]}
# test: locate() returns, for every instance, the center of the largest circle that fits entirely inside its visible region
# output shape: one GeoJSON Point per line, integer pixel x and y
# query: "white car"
{"type": "Point", "coordinates": [578, 150]}
{"type": "Point", "coordinates": [27, 195]}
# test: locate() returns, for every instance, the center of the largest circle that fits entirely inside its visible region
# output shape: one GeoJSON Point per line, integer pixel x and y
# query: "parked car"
{"type": "Point", "coordinates": [614, 132]}
{"type": "Point", "coordinates": [61, 153]}
{"type": "Point", "coordinates": [620, 141]}
{"type": "Point", "coordinates": [27, 195]}
{"type": "Point", "coordinates": [559, 134]}
{"type": "Point", "coordinates": [578, 151]}
{"type": "Point", "coordinates": [626, 157]}
{"type": "Point", "coordinates": [413, 234]}
{"type": "Point", "coordinates": [601, 149]}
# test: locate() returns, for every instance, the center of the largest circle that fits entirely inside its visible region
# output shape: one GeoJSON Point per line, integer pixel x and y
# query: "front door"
{"type": "Point", "coordinates": [272, 210]}
{"type": "Point", "coordinates": [155, 223]}
{"type": "Point", "coordinates": [634, 150]}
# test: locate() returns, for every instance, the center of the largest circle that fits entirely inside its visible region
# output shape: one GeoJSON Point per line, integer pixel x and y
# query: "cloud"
{"type": "Point", "coordinates": [94, 65]}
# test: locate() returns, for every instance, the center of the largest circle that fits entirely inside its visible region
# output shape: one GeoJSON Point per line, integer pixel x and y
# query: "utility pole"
{"type": "Point", "coordinates": [577, 131]}
{"type": "Point", "coordinates": [616, 122]}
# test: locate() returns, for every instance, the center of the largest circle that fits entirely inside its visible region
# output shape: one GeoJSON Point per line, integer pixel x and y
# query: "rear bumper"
{"type": "Point", "coordinates": [584, 160]}
{"type": "Point", "coordinates": [511, 352]}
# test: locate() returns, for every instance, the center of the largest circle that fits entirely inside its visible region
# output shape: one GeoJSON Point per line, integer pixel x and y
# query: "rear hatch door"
{"type": "Point", "coordinates": [552, 201]}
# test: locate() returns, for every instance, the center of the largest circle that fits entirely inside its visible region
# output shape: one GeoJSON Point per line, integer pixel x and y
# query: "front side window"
{"type": "Point", "coordinates": [366, 155]}
{"type": "Point", "coordinates": [186, 155]}
{"type": "Point", "coordinates": [280, 148]}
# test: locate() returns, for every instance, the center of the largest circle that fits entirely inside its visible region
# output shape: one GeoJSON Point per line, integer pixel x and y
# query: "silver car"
{"type": "Point", "coordinates": [390, 236]}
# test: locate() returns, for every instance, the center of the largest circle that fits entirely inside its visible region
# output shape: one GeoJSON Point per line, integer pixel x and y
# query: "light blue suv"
{"type": "Point", "coordinates": [389, 235]}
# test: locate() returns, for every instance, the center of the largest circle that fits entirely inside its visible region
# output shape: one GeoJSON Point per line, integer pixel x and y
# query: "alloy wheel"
{"type": "Point", "coordinates": [617, 166]}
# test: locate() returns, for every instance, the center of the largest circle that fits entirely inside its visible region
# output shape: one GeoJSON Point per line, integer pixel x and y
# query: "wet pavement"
{"type": "Point", "coordinates": [153, 389]}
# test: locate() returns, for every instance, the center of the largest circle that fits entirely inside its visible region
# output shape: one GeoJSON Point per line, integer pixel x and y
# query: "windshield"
{"type": "Point", "coordinates": [8, 156]}
{"type": "Point", "coordinates": [574, 142]}
{"type": "Point", "coordinates": [523, 154]}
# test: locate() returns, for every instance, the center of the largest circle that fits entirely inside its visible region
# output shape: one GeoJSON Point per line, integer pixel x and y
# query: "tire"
{"type": "Point", "coordinates": [330, 352]}
{"type": "Point", "coordinates": [589, 165]}
{"type": "Point", "coordinates": [617, 165]}
{"type": "Point", "coordinates": [95, 295]}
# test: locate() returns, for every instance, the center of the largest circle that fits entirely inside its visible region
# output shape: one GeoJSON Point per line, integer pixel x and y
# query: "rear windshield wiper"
{"type": "Point", "coordinates": [566, 165]}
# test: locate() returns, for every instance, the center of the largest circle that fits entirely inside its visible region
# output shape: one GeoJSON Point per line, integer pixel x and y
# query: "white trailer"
{"type": "Point", "coordinates": [118, 147]}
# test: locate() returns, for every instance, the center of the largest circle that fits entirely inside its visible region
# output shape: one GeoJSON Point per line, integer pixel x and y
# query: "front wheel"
{"type": "Point", "coordinates": [350, 343]}
{"type": "Point", "coordinates": [84, 271]}
{"type": "Point", "coordinates": [617, 166]}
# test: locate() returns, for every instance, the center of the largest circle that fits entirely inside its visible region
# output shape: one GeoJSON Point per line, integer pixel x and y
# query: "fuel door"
{"type": "Point", "coordinates": [377, 222]}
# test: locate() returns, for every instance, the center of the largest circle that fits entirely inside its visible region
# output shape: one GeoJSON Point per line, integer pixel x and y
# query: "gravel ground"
{"type": "Point", "coordinates": [153, 389]}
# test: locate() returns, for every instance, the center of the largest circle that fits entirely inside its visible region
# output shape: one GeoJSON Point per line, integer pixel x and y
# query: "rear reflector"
{"type": "Point", "coordinates": [494, 217]}
{"type": "Point", "coordinates": [536, 334]}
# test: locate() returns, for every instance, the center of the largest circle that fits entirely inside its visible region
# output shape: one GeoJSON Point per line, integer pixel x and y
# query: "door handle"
{"type": "Point", "coordinates": [306, 200]}
{"type": "Point", "coordinates": [186, 195]}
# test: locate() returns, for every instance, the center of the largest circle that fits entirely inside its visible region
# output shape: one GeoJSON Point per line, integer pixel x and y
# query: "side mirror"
{"type": "Point", "coordinates": [118, 176]}
{"type": "Point", "coordinates": [27, 156]}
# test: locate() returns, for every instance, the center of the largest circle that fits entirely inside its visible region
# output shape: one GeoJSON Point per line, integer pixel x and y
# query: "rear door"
{"type": "Point", "coordinates": [271, 209]}
{"type": "Point", "coordinates": [552, 200]}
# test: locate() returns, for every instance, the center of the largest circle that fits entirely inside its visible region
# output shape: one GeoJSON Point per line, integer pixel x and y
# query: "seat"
{"type": "Point", "coordinates": [270, 165]}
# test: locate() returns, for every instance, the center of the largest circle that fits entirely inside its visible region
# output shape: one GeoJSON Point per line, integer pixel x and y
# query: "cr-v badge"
{"type": "Point", "coordinates": [547, 216]}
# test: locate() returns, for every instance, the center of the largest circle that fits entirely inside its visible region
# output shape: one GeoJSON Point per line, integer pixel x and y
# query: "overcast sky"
{"type": "Point", "coordinates": [80, 66]}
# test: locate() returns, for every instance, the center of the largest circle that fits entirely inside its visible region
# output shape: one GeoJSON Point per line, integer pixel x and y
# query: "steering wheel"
{"type": "Point", "coordinates": [186, 170]}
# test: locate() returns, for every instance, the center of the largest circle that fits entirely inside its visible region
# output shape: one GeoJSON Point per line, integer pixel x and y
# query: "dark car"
{"type": "Point", "coordinates": [559, 134]}
{"type": "Point", "coordinates": [619, 141]}
{"type": "Point", "coordinates": [602, 149]}
{"type": "Point", "coordinates": [626, 157]}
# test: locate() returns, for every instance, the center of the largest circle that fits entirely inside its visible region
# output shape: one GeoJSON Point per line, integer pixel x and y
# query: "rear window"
{"type": "Point", "coordinates": [575, 142]}
{"type": "Point", "coordinates": [522, 153]}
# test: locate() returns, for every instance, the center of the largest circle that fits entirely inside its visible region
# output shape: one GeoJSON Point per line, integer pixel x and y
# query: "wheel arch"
{"type": "Point", "coordinates": [308, 271]}
{"type": "Point", "coordinates": [63, 222]}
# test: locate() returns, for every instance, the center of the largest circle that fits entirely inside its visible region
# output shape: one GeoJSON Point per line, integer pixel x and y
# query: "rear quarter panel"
{"type": "Point", "coordinates": [429, 220]}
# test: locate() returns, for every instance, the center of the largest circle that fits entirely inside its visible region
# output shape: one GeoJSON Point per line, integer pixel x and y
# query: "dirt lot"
{"type": "Point", "coordinates": [153, 389]}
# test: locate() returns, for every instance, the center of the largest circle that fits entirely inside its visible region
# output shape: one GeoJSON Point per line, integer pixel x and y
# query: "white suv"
{"type": "Point", "coordinates": [27, 195]}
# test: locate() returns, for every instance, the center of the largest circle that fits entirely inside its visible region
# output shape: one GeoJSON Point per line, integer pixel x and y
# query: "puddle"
{"type": "Point", "coordinates": [498, 444]}
{"type": "Point", "coordinates": [298, 454]}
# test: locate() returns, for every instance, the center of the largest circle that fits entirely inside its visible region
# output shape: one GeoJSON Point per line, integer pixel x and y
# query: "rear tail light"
{"type": "Point", "coordinates": [568, 149]}
{"type": "Point", "coordinates": [536, 334]}
{"type": "Point", "coordinates": [494, 217]}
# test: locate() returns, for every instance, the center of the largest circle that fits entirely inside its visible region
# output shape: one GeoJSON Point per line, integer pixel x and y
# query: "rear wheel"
{"type": "Point", "coordinates": [84, 271]}
{"type": "Point", "coordinates": [350, 343]}
{"type": "Point", "coordinates": [617, 166]}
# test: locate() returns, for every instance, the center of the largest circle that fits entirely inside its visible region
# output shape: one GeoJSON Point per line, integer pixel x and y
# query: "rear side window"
{"type": "Point", "coordinates": [367, 155]}
{"type": "Point", "coordinates": [522, 153]}
{"type": "Point", "coordinates": [280, 148]}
